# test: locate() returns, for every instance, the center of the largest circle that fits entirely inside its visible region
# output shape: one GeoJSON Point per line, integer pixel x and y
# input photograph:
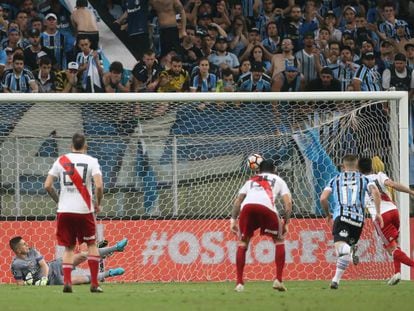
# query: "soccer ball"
{"type": "Point", "coordinates": [254, 161]}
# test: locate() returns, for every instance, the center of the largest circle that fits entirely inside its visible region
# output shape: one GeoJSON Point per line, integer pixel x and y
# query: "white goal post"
{"type": "Point", "coordinates": [342, 111]}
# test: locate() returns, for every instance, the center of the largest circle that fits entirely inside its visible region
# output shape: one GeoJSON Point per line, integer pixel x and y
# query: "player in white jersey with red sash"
{"type": "Point", "coordinates": [76, 210]}
{"type": "Point", "coordinates": [255, 204]}
{"type": "Point", "coordinates": [389, 233]}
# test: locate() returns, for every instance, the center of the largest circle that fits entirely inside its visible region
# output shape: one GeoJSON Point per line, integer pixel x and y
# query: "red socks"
{"type": "Point", "coordinates": [240, 262]}
{"type": "Point", "coordinates": [93, 262]}
{"type": "Point", "coordinates": [67, 273]}
{"type": "Point", "coordinates": [280, 257]}
{"type": "Point", "coordinates": [400, 257]}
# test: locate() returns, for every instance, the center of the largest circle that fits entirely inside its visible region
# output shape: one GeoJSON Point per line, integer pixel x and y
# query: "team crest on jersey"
{"type": "Point", "coordinates": [343, 233]}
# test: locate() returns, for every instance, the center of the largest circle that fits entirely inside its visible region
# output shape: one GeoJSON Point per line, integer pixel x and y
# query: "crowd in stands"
{"type": "Point", "coordinates": [209, 46]}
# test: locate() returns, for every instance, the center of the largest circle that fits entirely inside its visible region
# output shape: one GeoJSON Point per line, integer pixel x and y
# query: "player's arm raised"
{"type": "Point", "coordinates": [377, 201]}
{"type": "Point", "coordinates": [399, 187]}
{"type": "Point", "coordinates": [235, 213]}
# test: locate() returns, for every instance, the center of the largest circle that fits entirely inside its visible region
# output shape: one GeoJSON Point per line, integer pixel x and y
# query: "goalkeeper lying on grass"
{"type": "Point", "coordinates": [30, 268]}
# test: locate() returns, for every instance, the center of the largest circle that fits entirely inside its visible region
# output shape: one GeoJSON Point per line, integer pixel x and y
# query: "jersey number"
{"type": "Point", "coordinates": [353, 190]}
{"type": "Point", "coordinates": [67, 181]}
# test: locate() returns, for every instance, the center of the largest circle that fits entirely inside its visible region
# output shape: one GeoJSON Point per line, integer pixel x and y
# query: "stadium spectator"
{"type": "Point", "coordinates": [84, 24]}
{"type": "Point", "coordinates": [389, 233]}
{"type": "Point", "coordinates": [175, 79]}
{"type": "Point", "coordinates": [90, 67]}
{"type": "Point", "coordinates": [76, 213]}
{"type": "Point", "coordinates": [145, 74]}
{"type": "Point", "coordinates": [136, 17]}
{"type": "Point", "coordinates": [222, 15]}
{"type": "Point", "coordinates": [4, 23]}
{"type": "Point", "coordinates": [244, 68]}
{"type": "Point", "coordinates": [30, 268]}
{"type": "Point", "coordinates": [309, 58]}
{"type": "Point", "coordinates": [237, 35]}
{"type": "Point", "coordinates": [348, 22]}
{"type": "Point", "coordinates": [254, 39]}
{"type": "Point", "coordinates": [367, 78]}
{"type": "Point", "coordinates": [189, 53]}
{"type": "Point", "coordinates": [267, 14]}
{"type": "Point", "coordinates": [19, 79]}
{"type": "Point", "coordinates": [289, 80]}
{"type": "Point", "coordinates": [409, 53]}
{"type": "Point", "coordinates": [67, 80]}
{"type": "Point", "coordinates": [36, 23]}
{"type": "Point", "coordinates": [22, 21]}
{"type": "Point", "coordinates": [8, 63]}
{"type": "Point", "coordinates": [399, 76]}
{"type": "Point", "coordinates": [283, 59]}
{"type": "Point", "coordinates": [29, 7]}
{"type": "Point", "coordinates": [166, 11]}
{"type": "Point", "coordinates": [14, 39]}
{"type": "Point", "coordinates": [347, 215]}
{"type": "Point", "coordinates": [330, 23]}
{"type": "Point", "coordinates": [203, 81]}
{"type": "Point", "coordinates": [256, 81]}
{"type": "Point", "coordinates": [364, 33]}
{"type": "Point", "coordinates": [223, 59]}
{"type": "Point", "coordinates": [322, 39]}
{"type": "Point", "coordinates": [325, 83]}
{"type": "Point", "coordinates": [116, 80]}
{"type": "Point", "coordinates": [254, 206]}
{"type": "Point", "coordinates": [271, 39]}
{"type": "Point", "coordinates": [346, 69]}
{"type": "Point", "coordinates": [33, 50]}
{"type": "Point", "coordinates": [386, 57]}
{"type": "Point", "coordinates": [45, 77]}
{"type": "Point", "coordinates": [56, 41]}
{"type": "Point", "coordinates": [388, 28]}
{"type": "Point", "coordinates": [227, 83]}
{"type": "Point", "coordinates": [294, 27]}
{"type": "Point", "coordinates": [258, 55]}
{"type": "Point", "coordinates": [332, 58]}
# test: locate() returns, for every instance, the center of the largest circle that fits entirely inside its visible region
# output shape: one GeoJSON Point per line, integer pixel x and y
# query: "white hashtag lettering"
{"type": "Point", "coordinates": [155, 248]}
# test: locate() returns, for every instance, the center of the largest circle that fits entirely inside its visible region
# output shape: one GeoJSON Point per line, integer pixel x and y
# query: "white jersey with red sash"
{"type": "Point", "coordinates": [75, 171]}
{"type": "Point", "coordinates": [263, 189]}
{"type": "Point", "coordinates": [387, 203]}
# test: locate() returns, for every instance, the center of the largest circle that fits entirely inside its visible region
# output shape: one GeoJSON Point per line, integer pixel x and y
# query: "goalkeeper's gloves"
{"type": "Point", "coordinates": [42, 281]}
{"type": "Point", "coordinates": [28, 280]}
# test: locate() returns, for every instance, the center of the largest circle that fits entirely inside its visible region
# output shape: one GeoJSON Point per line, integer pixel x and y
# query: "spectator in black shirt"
{"type": "Point", "coordinates": [325, 83]}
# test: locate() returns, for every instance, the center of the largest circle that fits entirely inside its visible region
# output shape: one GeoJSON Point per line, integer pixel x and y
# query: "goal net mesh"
{"type": "Point", "coordinates": [172, 170]}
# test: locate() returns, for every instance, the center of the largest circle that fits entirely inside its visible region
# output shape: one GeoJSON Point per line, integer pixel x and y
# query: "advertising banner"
{"type": "Point", "coordinates": [204, 250]}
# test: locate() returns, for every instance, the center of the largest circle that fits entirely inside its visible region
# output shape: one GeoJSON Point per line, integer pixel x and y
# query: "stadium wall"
{"type": "Point", "coordinates": [177, 250]}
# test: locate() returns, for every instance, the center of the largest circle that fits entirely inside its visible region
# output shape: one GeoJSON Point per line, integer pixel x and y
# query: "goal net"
{"type": "Point", "coordinates": [172, 165]}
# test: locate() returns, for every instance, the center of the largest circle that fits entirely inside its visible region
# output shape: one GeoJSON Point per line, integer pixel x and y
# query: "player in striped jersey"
{"type": "Point", "coordinates": [389, 233]}
{"type": "Point", "coordinates": [367, 78]}
{"type": "Point", "coordinates": [348, 189]}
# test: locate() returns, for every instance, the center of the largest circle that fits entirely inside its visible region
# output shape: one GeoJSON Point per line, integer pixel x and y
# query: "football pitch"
{"type": "Point", "coordinates": [301, 295]}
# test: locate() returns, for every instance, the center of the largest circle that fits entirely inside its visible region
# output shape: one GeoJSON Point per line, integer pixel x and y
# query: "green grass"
{"type": "Point", "coordinates": [301, 295]}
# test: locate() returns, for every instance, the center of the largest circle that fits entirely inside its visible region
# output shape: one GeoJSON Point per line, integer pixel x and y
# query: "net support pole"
{"type": "Point", "coordinates": [175, 176]}
{"type": "Point", "coordinates": [404, 179]}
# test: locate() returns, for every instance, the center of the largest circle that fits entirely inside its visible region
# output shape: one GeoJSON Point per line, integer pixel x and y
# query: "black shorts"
{"type": "Point", "coordinates": [343, 231]}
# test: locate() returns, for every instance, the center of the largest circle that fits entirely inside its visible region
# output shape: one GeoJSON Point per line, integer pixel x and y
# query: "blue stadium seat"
{"type": "Point", "coordinates": [216, 122]}
{"type": "Point", "coordinates": [109, 152]}
{"type": "Point", "coordinates": [10, 114]}
{"type": "Point", "coordinates": [32, 184]}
